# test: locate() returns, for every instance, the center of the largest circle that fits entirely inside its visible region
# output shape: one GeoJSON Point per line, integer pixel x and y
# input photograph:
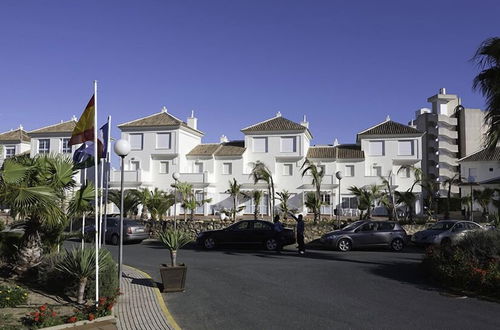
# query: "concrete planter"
{"type": "Point", "coordinates": [79, 323]}
{"type": "Point", "coordinates": [173, 278]}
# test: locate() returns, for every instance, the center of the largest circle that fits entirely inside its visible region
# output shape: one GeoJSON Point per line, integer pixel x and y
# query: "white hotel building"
{"type": "Point", "coordinates": [163, 144]}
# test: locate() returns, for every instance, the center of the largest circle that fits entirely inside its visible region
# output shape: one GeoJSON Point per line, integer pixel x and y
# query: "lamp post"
{"type": "Point", "coordinates": [471, 180]}
{"type": "Point", "coordinates": [176, 177]}
{"type": "Point", "coordinates": [339, 177]}
{"type": "Point", "coordinates": [122, 149]}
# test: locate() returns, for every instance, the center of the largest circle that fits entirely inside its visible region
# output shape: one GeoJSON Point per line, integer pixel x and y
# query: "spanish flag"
{"type": "Point", "coordinates": [84, 129]}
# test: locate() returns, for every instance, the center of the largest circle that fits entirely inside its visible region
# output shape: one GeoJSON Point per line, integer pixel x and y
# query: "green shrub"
{"type": "Point", "coordinates": [12, 296]}
{"type": "Point", "coordinates": [51, 279]}
{"type": "Point", "coordinates": [108, 277]}
{"type": "Point", "coordinates": [9, 243]}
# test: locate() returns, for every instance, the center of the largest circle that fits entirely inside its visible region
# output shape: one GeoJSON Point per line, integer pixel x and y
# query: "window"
{"type": "Point", "coordinates": [405, 148]}
{"type": "Point", "coordinates": [163, 140]}
{"type": "Point", "coordinates": [491, 169]}
{"type": "Point", "coordinates": [321, 169]}
{"type": "Point", "coordinates": [135, 165]}
{"type": "Point", "coordinates": [404, 173]}
{"type": "Point", "coordinates": [164, 167]}
{"type": "Point", "coordinates": [260, 144]}
{"type": "Point", "coordinates": [376, 148]}
{"type": "Point", "coordinates": [376, 170]}
{"type": "Point", "coordinates": [472, 173]}
{"type": "Point", "coordinates": [349, 203]}
{"type": "Point", "coordinates": [262, 226]}
{"type": "Point", "coordinates": [287, 169]}
{"type": "Point", "coordinates": [243, 225]}
{"type": "Point", "coordinates": [136, 141]}
{"type": "Point", "coordinates": [288, 144]}
{"type": "Point", "coordinates": [43, 146]}
{"type": "Point", "coordinates": [325, 199]}
{"type": "Point", "coordinates": [385, 226]}
{"type": "Point", "coordinates": [198, 167]}
{"type": "Point", "coordinates": [349, 170]}
{"type": "Point", "coordinates": [65, 147]}
{"type": "Point", "coordinates": [10, 151]}
{"type": "Point", "coordinates": [227, 168]}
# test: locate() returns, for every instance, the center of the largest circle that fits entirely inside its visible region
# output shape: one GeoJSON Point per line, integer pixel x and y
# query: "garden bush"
{"type": "Point", "coordinates": [9, 243]}
{"type": "Point", "coordinates": [473, 264]}
{"type": "Point", "coordinates": [12, 296]}
{"type": "Point", "coordinates": [108, 278]}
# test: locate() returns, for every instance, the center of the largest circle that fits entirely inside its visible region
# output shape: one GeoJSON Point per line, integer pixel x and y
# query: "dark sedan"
{"type": "Point", "coordinates": [366, 233]}
{"type": "Point", "coordinates": [132, 231]}
{"type": "Point", "coordinates": [246, 232]}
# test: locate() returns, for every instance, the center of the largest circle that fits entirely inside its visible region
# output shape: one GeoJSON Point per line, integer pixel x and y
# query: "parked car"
{"type": "Point", "coordinates": [445, 232]}
{"type": "Point", "coordinates": [245, 232]}
{"type": "Point", "coordinates": [132, 231]}
{"type": "Point", "coordinates": [15, 229]}
{"type": "Point", "coordinates": [365, 233]}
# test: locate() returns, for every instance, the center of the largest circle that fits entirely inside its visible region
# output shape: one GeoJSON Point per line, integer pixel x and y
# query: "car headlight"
{"type": "Point", "coordinates": [330, 237]}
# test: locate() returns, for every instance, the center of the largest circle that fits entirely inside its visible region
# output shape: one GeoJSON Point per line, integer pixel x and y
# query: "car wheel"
{"type": "Point", "coordinates": [344, 245]}
{"type": "Point", "coordinates": [115, 239]}
{"type": "Point", "coordinates": [397, 244]}
{"type": "Point", "coordinates": [209, 243]}
{"type": "Point", "coordinates": [271, 244]}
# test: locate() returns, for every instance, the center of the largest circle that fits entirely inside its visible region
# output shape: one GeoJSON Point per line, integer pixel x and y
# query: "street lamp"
{"type": "Point", "coordinates": [176, 177]}
{"type": "Point", "coordinates": [471, 182]}
{"type": "Point", "coordinates": [339, 177]}
{"type": "Point", "coordinates": [122, 149]}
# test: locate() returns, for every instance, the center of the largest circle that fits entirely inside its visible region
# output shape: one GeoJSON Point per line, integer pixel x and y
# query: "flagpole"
{"type": "Point", "coordinates": [100, 200]}
{"type": "Point", "coordinates": [96, 159]}
{"type": "Point", "coordinates": [107, 179]}
{"type": "Point", "coordinates": [83, 216]}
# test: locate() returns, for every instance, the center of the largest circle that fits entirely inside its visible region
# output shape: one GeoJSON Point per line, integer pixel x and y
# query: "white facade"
{"type": "Point", "coordinates": [13, 142]}
{"type": "Point", "coordinates": [282, 145]}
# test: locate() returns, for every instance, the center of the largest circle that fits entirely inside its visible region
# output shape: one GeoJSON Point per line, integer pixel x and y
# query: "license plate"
{"type": "Point", "coordinates": [139, 230]}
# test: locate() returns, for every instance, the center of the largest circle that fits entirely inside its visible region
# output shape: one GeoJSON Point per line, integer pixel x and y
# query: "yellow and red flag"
{"type": "Point", "coordinates": [84, 129]}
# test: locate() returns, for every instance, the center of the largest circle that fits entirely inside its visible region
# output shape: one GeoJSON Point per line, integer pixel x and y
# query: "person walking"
{"type": "Point", "coordinates": [299, 229]}
{"type": "Point", "coordinates": [278, 233]}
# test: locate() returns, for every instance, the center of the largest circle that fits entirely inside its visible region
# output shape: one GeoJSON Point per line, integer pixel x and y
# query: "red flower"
{"type": "Point", "coordinates": [42, 308]}
{"type": "Point", "coordinates": [53, 314]}
{"type": "Point", "coordinates": [109, 307]}
{"type": "Point", "coordinates": [91, 317]}
{"type": "Point", "coordinates": [37, 318]}
{"type": "Point", "coordinates": [72, 319]}
{"type": "Point", "coordinates": [102, 300]}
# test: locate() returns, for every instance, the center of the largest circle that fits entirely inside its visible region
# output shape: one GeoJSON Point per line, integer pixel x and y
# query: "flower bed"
{"type": "Point", "coordinates": [12, 296]}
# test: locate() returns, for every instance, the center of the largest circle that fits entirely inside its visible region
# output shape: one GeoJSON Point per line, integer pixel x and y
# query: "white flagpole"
{"type": "Point", "coordinates": [100, 200]}
{"type": "Point", "coordinates": [96, 196]}
{"type": "Point", "coordinates": [83, 216]}
{"type": "Point", "coordinates": [107, 179]}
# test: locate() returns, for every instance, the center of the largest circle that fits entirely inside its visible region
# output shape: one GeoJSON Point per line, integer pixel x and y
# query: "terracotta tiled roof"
{"type": "Point", "coordinates": [207, 149]}
{"type": "Point", "coordinates": [346, 151]}
{"type": "Point", "coordinates": [390, 127]}
{"type": "Point", "coordinates": [275, 124]}
{"type": "Point", "coordinates": [18, 135]}
{"type": "Point", "coordinates": [233, 148]}
{"type": "Point", "coordinates": [64, 127]}
{"type": "Point", "coordinates": [159, 119]}
{"type": "Point", "coordinates": [483, 155]}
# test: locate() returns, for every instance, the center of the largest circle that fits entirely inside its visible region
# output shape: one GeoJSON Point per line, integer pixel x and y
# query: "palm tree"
{"type": "Point", "coordinates": [366, 198]}
{"type": "Point", "coordinates": [130, 201]}
{"type": "Point", "coordinates": [34, 189]}
{"type": "Point", "coordinates": [283, 197]}
{"type": "Point", "coordinates": [234, 191]}
{"type": "Point", "coordinates": [407, 198]}
{"type": "Point", "coordinates": [312, 203]}
{"type": "Point", "coordinates": [317, 174]}
{"type": "Point", "coordinates": [449, 182]}
{"type": "Point", "coordinates": [257, 197]}
{"type": "Point", "coordinates": [261, 172]}
{"type": "Point", "coordinates": [192, 203]}
{"type": "Point", "coordinates": [484, 197]}
{"type": "Point", "coordinates": [185, 190]}
{"type": "Point", "coordinates": [144, 196]}
{"type": "Point", "coordinates": [387, 198]}
{"type": "Point", "coordinates": [487, 81]}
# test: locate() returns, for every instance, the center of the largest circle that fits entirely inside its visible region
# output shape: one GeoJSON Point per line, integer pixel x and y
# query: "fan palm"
{"type": "Point", "coordinates": [408, 199]}
{"type": "Point", "coordinates": [317, 174]}
{"type": "Point", "coordinates": [483, 198]}
{"type": "Point", "coordinates": [185, 190]}
{"type": "Point", "coordinates": [257, 198]}
{"type": "Point", "coordinates": [235, 191]}
{"type": "Point", "coordinates": [487, 81]}
{"type": "Point", "coordinates": [130, 201]}
{"type": "Point", "coordinates": [284, 197]}
{"type": "Point", "coordinates": [448, 184]}
{"type": "Point", "coordinates": [366, 197]}
{"type": "Point", "coordinates": [261, 172]}
{"type": "Point", "coordinates": [312, 203]}
{"type": "Point", "coordinates": [35, 189]}
{"type": "Point", "coordinates": [144, 196]}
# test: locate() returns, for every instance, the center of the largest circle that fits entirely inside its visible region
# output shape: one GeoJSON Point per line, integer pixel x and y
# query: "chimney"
{"type": "Point", "coordinates": [388, 118]}
{"type": "Point", "coordinates": [21, 127]}
{"type": "Point", "coordinates": [164, 109]}
{"type": "Point", "coordinates": [192, 121]}
{"type": "Point", "coordinates": [74, 118]}
{"type": "Point", "coordinates": [442, 91]}
{"type": "Point", "coordinates": [304, 122]}
{"type": "Point", "coordinates": [224, 139]}
{"type": "Point", "coordinates": [335, 142]}
{"type": "Point", "coordinates": [278, 114]}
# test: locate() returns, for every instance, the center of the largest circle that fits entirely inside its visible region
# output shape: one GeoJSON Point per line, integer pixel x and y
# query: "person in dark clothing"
{"type": "Point", "coordinates": [278, 230]}
{"type": "Point", "coordinates": [300, 232]}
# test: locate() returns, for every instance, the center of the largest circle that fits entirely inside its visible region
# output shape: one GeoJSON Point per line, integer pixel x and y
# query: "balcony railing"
{"type": "Point", "coordinates": [204, 177]}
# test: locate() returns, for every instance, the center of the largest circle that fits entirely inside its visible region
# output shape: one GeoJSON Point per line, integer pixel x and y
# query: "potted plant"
{"type": "Point", "coordinates": [173, 276]}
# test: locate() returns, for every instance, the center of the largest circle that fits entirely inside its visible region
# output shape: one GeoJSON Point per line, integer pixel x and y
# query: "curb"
{"type": "Point", "coordinates": [80, 323]}
{"type": "Point", "coordinates": [159, 297]}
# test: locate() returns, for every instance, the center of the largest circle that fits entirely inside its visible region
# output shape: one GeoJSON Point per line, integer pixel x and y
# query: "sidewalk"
{"type": "Point", "coordinates": [141, 307]}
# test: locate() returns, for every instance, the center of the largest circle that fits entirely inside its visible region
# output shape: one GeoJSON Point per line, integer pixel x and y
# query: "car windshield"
{"type": "Point", "coordinates": [442, 225]}
{"type": "Point", "coordinates": [131, 223]}
{"type": "Point", "coordinates": [353, 225]}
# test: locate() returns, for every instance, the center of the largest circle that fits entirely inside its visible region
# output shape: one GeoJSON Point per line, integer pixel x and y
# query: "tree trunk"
{"type": "Point", "coordinates": [173, 257]}
{"type": "Point", "coordinates": [144, 212]}
{"type": "Point", "coordinates": [81, 290]}
{"type": "Point", "coordinates": [30, 253]}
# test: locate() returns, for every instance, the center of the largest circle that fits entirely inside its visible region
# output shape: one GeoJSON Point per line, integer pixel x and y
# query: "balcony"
{"type": "Point", "coordinates": [448, 133]}
{"type": "Point", "coordinates": [449, 121]}
{"type": "Point", "coordinates": [450, 147]}
{"type": "Point", "coordinates": [328, 182]}
{"type": "Point", "coordinates": [197, 179]}
{"type": "Point", "coordinates": [130, 178]}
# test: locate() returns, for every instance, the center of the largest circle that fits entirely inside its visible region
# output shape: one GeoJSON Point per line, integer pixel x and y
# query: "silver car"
{"type": "Point", "coordinates": [366, 233]}
{"type": "Point", "coordinates": [445, 232]}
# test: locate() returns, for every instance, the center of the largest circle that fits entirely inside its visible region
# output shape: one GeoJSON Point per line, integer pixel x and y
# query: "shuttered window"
{"type": "Point", "coordinates": [136, 141]}
{"type": "Point", "coordinates": [405, 148]}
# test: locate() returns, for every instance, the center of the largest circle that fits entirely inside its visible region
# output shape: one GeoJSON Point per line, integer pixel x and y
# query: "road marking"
{"type": "Point", "coordinates": [163, 306]}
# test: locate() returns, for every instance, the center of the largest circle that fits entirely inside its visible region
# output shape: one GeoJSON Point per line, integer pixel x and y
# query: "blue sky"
{"type": "Point", "coordinates": [345, 64]}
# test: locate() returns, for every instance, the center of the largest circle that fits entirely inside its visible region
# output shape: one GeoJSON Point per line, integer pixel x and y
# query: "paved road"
{"type": "Point", "coordinates": [247, 289]}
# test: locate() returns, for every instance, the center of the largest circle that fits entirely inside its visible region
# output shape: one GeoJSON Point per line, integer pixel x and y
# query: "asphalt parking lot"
{"type": "Point", "coordinates": [249, 289]}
